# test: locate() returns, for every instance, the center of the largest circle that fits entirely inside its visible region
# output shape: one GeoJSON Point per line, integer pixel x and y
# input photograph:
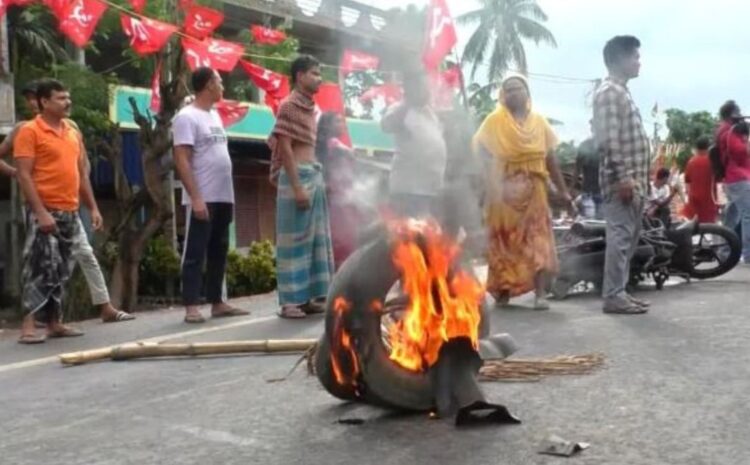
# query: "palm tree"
{"type": "Point", "coordinates": [33, 32]}
{"type": "Point", "coordinates": [505, 23]}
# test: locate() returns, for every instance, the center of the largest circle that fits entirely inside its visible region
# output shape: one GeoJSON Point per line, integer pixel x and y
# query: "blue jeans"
{"type": "Point", "coordinates": [739, 195]}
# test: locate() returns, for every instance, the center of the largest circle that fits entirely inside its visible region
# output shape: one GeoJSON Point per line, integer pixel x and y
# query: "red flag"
{"type": "Point", "coordinates": [358, 61]}
{"type": "Point", "coordinates": [156, 89]}
{"type": "Point", "coordinates": [213, 53]}
{"type": "Point", "coordinates": [441, 34]}
{"type": "Point", "coordinates": [265, 79]}
{"type": "Point", "coordinates": [231, 112]}
{"type": "Point", "coordinates": [146, 35]}
{"type": "Point", "coordinates": [138, 5]}
{"type": "Point", "coordinates": [267, 36]}
{"type": "Point", "coordinates": [80, 20]}
{"type": "Point", "coordinates": [452, 77]}
{"type": "Point", "coordinates": [274, 100]}
{"type": "Point", "coordinates": [444, 88]}
{"type": "Point", "coordinates": [57, 7]}
{"type": "Point", "coordinates": [330, 99]}
{"type": "Point", "coordinates": [185, 4]}
{"type": "Point", "coordinates": [201, 21]}
{"type": "Point", "coordinates": [390, 93]}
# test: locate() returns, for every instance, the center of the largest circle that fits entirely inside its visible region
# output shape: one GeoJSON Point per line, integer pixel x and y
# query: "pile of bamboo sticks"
{"type": "Point", "coordinates": [534, 369]}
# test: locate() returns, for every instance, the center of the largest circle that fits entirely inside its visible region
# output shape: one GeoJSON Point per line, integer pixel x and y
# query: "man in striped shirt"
{"type": "Point", "coordinates": [624, 152]}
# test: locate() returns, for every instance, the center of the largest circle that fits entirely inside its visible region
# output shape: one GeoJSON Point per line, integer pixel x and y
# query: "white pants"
{"type": "Point", "coordinates": [83, 254]}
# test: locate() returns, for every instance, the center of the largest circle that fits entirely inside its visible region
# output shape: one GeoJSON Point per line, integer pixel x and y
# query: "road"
{"type": "Point", "coordinates": [673, 392]}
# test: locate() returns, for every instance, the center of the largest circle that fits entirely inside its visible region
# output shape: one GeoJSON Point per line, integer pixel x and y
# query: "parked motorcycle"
{"type": "Point", "coordinates": [688, 250]}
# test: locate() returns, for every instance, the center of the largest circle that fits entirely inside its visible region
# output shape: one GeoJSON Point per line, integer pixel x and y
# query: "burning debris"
{"type": "Point", "coordinates": [406, 325]}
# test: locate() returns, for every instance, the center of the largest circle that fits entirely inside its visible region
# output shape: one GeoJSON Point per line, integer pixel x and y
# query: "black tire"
{"type": "Point", "coordinates": [724, 265]}
{"type": "Point", "coordinates": [324, 372]}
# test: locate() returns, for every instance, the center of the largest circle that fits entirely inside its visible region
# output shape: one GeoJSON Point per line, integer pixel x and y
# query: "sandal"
{"type": "Point", "coordinates": [292, 312]}
{"type": "Point", "coordinates": [315, 307]}
{"type": "Point", "coordinates": [230, 313]}
{"type": "Point", "coordinates": [30, 339]}
{"type": "Point", "coordinates": [195, 318]}
{"type": "Point", "coordinates": [118, 317]}
{"type": "Point", "coordinates": [65, 332]}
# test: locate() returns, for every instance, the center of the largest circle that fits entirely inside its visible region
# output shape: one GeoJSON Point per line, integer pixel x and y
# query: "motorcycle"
{"type": "Point", "coordinates": [688, 250]}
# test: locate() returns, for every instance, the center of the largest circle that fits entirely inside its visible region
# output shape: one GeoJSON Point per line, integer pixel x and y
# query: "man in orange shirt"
{"type": "Point", "coordinates": [701, 185]}
{"type": "Point", "coordinates": [52, 176]}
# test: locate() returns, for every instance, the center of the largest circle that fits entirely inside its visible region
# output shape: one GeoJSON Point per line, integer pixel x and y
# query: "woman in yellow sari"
{"type": "Point", "coordinates": [519, 146]}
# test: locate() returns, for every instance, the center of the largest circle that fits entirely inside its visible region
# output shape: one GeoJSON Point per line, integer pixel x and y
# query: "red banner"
{"type": "Point", "coordinates": [267, 36]}
{"type": "Point", "coordinates": [358, 61]}
{"type": "Point", "coordinates": [80, 20]}
{"type": "Point", "coordinates": [231, 112]}
{"type": "Point", "coordinates": [201, 21]}
{"type": "Point", "coordinates": [330, 99]}
{"type": "Point", "coordinates": [138, 5]}
{"type": "Point", "coordinates": [441, 34]}
{"type": "Point", "coordinates": [156, 89]}
{"type": "Point", "coordinates": [57, 7]}
{"type": "Point", "coordinates": [213, 53]}
{"type": "Point", "coordinates": [265, 79]}
{"type": "Point", "coordinates": [146, 35]}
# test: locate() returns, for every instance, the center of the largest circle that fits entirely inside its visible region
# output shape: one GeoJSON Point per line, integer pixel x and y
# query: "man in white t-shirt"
{"type": "Point", "coordinates": [202, 161]}
{"type": "Point", "coordinates": [662, 193]}
{"type": "Point", "coordinates": [418, 168]}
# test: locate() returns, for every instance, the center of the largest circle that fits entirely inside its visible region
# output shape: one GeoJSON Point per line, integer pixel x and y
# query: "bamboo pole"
{"type": "Point", "coordinates": [196, 349]}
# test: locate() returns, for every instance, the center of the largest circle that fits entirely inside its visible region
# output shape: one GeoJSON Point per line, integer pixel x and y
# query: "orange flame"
{"type": "Point", "coordinates": [443, 304]}
{"type": "Point", "coordinates": [342, 348]}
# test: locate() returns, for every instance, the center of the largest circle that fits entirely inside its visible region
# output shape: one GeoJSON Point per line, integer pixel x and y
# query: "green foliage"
{"type": "Point", "coordinates": [687, 128]}
{"type": "Point", "coordinates": [90, 94]}
{"type": "Point", "coordinates": [566, 153]}
{"type": "Point", "coordinates": [482, 100]}
{"type": "Point", "coordinates": [254, 273]}
{"type": "Point", "coordinates": [159, 266]}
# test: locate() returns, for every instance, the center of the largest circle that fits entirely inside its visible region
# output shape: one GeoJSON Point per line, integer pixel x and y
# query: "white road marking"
{"type": "Point", "coordinates": [158, 339]}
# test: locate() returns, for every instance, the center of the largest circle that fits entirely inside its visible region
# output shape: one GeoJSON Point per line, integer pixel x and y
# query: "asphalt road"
{"type": "Point", "coordinates": [673, 392]}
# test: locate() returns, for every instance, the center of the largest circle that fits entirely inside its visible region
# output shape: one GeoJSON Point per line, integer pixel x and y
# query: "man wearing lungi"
{"type": "Point", "coordinates": [53, 177]}
{"type": "Point", "coordinates": [304, 254]}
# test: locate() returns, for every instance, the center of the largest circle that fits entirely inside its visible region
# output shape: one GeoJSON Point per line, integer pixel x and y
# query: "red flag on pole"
{"type": "Point", "coordinates": [146, 35]}
{"type": "Point", "coordinates": [358, 61]}
{"type": "Point", "coordinates": [156, 89]}
{"type": "Point", "coordinates": [265, 79]}
{"type": "Point", "coordinates": [80, 20]}
{"type": "Point", "coordinates": [267, 36]}
{"type": "Point", "coordinates": [201, 21]}
{"type": "Point", "coordinates": [213, 53]}
{"type": "Point", "coordinates": [57, 7]}
{"type": "Point", "coordinates": [138, 5]}
{"type": "Point", "coordinates": [231, 112]}
{"type": "Point", "coordinates": [441, 34]}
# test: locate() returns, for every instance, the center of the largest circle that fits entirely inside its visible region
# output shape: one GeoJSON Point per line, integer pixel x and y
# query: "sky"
{"type": "Point", "coordinates": [695, 54]}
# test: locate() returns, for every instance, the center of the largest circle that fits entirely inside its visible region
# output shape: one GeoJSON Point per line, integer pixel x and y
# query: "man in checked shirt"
{"type": "Point", "coordinates": [624, 153]}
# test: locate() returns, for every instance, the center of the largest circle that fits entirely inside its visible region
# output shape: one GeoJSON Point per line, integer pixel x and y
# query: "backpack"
{"type": "Point", "coordinates": [717, 163]}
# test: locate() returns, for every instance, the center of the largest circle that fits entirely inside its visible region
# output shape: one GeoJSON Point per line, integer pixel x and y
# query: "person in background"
{"type": "Point", "coordinates": [338, 169]}
{"type": "Point", "coordinates": [304, 253]}
{"type": "Point", "coordinates": [418, 170]}
{"type": "Point", "coordinates": [204, 166]}
{"type": "Point", "coordinates": [518, 146]}
{"type": "Point", "coordinates": [729, 114]}
{"type": "Point", "coordinates": [82, 251]}
{"type": "Point", "coordinates": [661, 196]}
{"type": "Point", "coordinates": [734, 151]}
{"type": "Point", "coordinates": [624, 152]}
{"type": "Point", "coordinates": [587, 168]}
{"type": "Point", "coordinates": [53, 176]}
{"type": "Point", "coordinates": [701, 186]}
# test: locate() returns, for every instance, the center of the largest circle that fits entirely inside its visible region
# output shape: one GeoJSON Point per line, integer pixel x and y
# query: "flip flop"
{"type": "Point", "coordinates": [230, 313]}
{"type": "Point", "coordinates": [119, 316]}
{"type": "Point", "coordinates": [30, 339]}
{"type": "Point", "coordinates": [66, 332]}
{"type": "Point", "coordinates": [194, 319]}
{"type": "Point", "coordinates": [314, 307]}
{"type": "Point", "coordinates": [292, 312]}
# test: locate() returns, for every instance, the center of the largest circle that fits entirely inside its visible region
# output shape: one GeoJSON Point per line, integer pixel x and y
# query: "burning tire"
{"type": "Point", "coordinates": [353, 360]}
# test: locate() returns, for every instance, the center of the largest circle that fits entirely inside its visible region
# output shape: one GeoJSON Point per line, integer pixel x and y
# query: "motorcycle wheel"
{"type": "Point", "coordinates": [716, 251]}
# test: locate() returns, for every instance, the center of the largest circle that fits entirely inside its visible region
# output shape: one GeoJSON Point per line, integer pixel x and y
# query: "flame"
{"type": "Point", "coordinates": [342, 350]}
{"type": "Point", "coordinates": [444, 303]}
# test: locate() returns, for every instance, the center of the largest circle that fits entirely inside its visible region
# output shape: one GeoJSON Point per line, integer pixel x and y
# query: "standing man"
{"type": "Point", "coordinates": [202, 161]}
{"type": "Point", "coordinates": [624, 153]}
{"type": "Point", "coordinates": [82, 251]}
{"type": "Point", "coordinates": [418, 170]}
{"type": "Point", "coordinates": [304, 253]}
{"type": "Point", "coordinates": [701, 185]}
{"type": "Point", "coordinates": [53, 177]}
{"type": "Point", "coordinates": [587, 167]}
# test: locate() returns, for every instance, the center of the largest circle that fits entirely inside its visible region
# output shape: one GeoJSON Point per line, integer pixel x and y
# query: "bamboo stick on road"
{"type": "Point", "coordinates": [152, 350]}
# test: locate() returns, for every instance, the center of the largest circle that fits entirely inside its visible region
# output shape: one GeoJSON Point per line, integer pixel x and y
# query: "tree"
{"type": "Point", "coordinates": [686, 128]}
{"type": "Point", "coordinates": [505, 24]}
{"type": "Point", "coordinates": [33, 33]}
